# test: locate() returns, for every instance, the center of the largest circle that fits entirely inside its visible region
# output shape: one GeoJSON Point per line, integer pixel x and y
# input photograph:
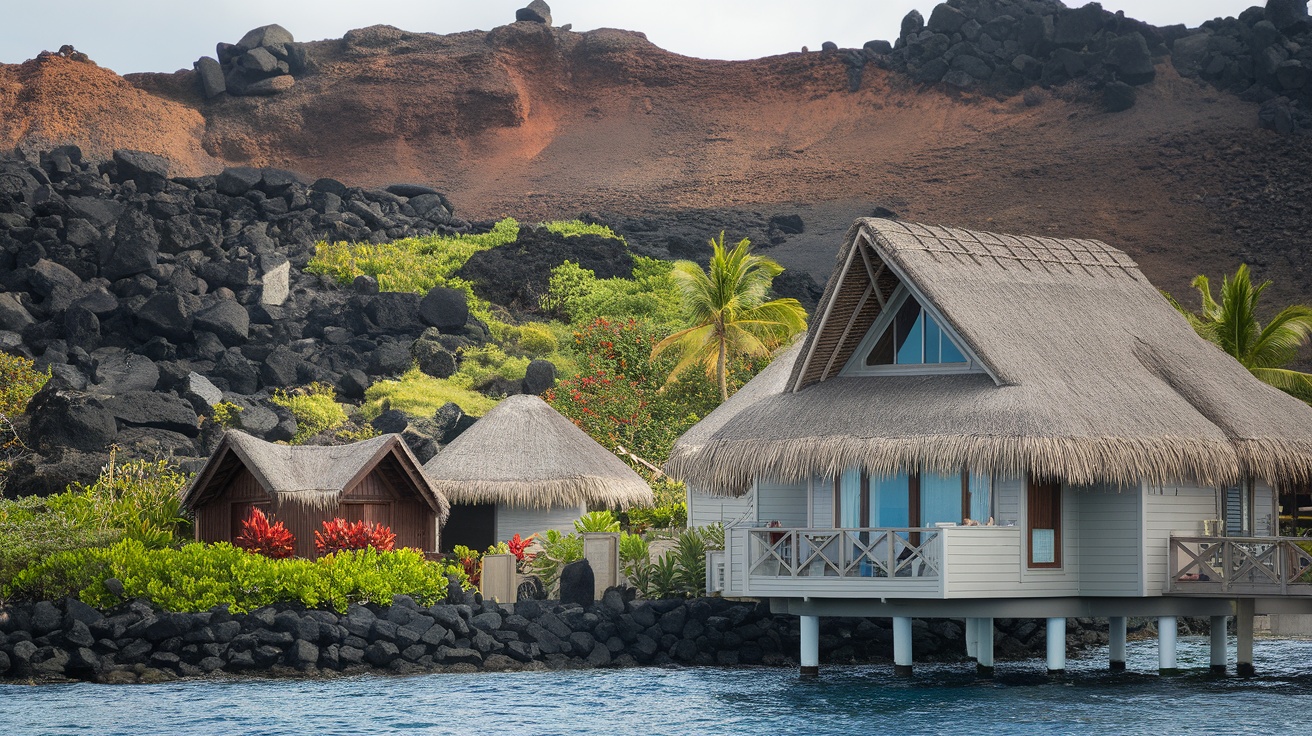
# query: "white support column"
{"type": "Point", "coordinates": [1056, 646]}
{"type": "Point", "coordinates": [902, 645]}
{"type": "Point", "coordinates": [972, 637]}
{"type": "Point", "coordinates": [1219, 644]}
{"type": "Point", "coordinates": [1244, 628]}
{"type": "Point", "coordinates": [1166, 631]}
{"type": "Point", "coordinates": [984, 646]}
{"type": "Point", "coordinates": [1116, 642]}
{"type": "Point", "coordinates": [810, 650]}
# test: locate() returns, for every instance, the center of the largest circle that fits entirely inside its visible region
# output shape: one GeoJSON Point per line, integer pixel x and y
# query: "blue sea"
{"type": "Point", "coordinates": [937, 699]}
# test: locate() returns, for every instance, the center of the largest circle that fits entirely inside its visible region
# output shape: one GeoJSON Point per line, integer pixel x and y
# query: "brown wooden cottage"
{"type": "Point", "coordinates": [377, 480]}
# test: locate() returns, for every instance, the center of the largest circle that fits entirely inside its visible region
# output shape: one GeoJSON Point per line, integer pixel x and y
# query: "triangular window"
{"type": "Point", "coordinates": [914, 337]}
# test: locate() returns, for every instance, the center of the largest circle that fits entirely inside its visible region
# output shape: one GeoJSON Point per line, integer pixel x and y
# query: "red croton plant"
{"type": "Point", "coordinates": [261, 537]}
{"type": "Point", "coordinates": [339, 535]}
{"type": "Point", "coordinates": [518, 547]}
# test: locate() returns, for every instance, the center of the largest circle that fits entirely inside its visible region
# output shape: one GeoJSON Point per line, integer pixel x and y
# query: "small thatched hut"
{"type": "Point", "coordinates": [522, 469]}
{"type": "Point", "coordinates": [377, 480]}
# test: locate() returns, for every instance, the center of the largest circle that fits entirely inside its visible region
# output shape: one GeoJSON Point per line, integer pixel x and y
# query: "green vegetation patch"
{"type": "Point", "coordinates": [574, 228]}
{"type": "Point", "coordinates": [420, 395]}
{"type": "Point", "coordinates": [315, 408]}
{"type": "Point", "coordinates": [576, 294]}
{"type": "Point", "coordinates": [200, 576]}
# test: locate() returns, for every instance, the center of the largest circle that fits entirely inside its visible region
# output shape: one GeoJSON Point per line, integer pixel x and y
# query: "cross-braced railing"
{"type": "Point", "coordinates": [845, 553]}
{"type": "Point", "coordinates": [1240, 565]}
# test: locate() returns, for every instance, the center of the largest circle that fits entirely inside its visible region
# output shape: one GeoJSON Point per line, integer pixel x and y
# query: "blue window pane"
{"type": "Point", "coordinates": [950, 352]}
{"type": "Point", "coordinates": [932, 335]}
{"type": "Point", "coordinates": [981, 501]}
{"type": "Point", "coordinates": [910, 334]}
{"type": "Point", "coordinates": [891, 505]}
{"type": "Point", "coordinates": [940, 499]}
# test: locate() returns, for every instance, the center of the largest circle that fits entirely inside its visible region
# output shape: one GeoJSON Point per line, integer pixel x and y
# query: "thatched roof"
{"type": "Point", "coordinates": [1085, 373]}
{"type": "Point", "coordinates": [311, 475]}
{"type": "Point", "coordinates": [524, 453]}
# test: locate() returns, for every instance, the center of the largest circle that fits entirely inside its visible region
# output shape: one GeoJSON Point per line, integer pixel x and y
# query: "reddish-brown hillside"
{"type": "Point", "coordinates": [540, 122]}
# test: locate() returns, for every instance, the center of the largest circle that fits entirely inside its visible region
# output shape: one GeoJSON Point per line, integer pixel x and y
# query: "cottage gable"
{"type": "Point", "coordinates": [908, 338]}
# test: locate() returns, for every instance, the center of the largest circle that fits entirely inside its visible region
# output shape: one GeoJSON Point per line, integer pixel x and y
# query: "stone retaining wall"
{"type": "Point", "coordinates": [136, 642]}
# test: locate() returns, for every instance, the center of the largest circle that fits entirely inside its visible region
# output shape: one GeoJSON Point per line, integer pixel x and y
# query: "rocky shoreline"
{"type": "Point", "coordinates": [137, 643]}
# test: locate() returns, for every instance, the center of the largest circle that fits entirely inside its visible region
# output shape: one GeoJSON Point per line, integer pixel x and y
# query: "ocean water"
{"type": "Point", "coordinates": [938, 699]}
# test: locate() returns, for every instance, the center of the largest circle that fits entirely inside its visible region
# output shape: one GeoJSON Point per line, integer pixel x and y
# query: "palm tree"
{"type": "Point", "coordinates": [1231, 324]}
{"type": "Point", "coordinates": [727, 311]}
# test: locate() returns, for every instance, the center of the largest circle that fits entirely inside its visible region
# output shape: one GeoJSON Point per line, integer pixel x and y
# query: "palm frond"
{"type": "Point", "coordinates": [1294, 383]}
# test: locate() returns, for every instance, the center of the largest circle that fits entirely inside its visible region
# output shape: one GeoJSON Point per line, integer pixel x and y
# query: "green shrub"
{"type": "Point", "coordinates": [558, 550]}
{"type": "Point", "coordinates": [30, 532]}
{"type": "Point", "coordinates": [199, 576]}
{"type": "Point", "coordinates": [225, 414]}
{"type": "Point", "coordinates": [140, 498]}
{"type": "Point", "coordinates": [420, 395]}
{"type": "Point", "coordinates": [574, 228]}
{"type": "Point", "coordinates": [19, 381]}
{"type": "Point", "coordinates": [575, 293]}
{"type": "Point", "coordinates": [690, 558]}
{"type": "Point", "coordinates": [478, 366]}
{"type": "Point", "coordinates": [538, 341]}
{"type": "Point", "coordinates": [597, 521]}
{"type": "Point", "coordinates": [635, 562]}
{"type": "Point", "coordinates": [315, 408]}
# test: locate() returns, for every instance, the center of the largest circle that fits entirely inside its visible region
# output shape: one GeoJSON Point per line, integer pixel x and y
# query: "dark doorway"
{"type": "Point", "coordinates": [472, 525]}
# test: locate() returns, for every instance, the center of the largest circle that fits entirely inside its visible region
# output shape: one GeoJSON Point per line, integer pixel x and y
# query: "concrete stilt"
{"type": "Point", "coordinates": [810, 654]}
{"type": "Point", "coordinates": [972, 637]}
{"type": "Point", "coordinates": [1056, 646]}
{"type": "Point", "coordinates": [1166, 631]}
{"type": "Point", "coordinates": [1244, 628]}
{"type": "Point", "coordinates": [902, 646]}
{"type": "Point", "coordinates": [1116, 642]}
{"type": "Point", "coordinates": [1218, 644]}
{"type": "Point", "coordinates": [984, 646]}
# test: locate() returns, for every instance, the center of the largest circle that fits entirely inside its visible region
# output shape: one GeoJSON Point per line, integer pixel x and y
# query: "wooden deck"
{"type": "Point", "coordinates": [1240, 566]}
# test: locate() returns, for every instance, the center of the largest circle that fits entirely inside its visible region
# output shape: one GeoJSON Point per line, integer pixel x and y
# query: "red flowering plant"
{"type": "Point", "coordinates": [519, 548]}
{"type": "Point", "coordinates": [340, 534]}
{"type": "Point", "coordinates": [262, 538]}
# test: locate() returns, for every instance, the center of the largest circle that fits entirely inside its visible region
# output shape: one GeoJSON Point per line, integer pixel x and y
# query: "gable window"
{"type": "Point", "coordinates": [914, 337]}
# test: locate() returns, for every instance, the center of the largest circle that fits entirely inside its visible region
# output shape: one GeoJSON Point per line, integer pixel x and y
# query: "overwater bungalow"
{"type": "Point", "coordinates": [523, 469]}
{"type": "Point", "coordinates": [980, 426]}
{"type": "Point", "coordinates": [377, 480]}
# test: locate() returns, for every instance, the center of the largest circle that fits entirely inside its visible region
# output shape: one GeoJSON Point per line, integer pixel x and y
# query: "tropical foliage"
{"type": "Point", "coordinates": [556, 551]}
{"type": "Point", "coordinates": [339, 535]}
{"type": "Point", "coordinates": [259, 536]}
{"type": "Point", "coordinates": [1265, 350]}
{"type": "Point", "coordinates": [728, 313]}
{"type": "Point", "coordinates": [139, 499]}
{"type": "Point", "coordinates": [200, 576]}
{"type": "Point", "coordinates": [19, 381]}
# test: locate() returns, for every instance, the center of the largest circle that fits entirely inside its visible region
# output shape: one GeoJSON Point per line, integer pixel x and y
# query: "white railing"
{"type": "Point", "coordinates": [1240, 566]}
{"type": "Point", "coordinates": [915, 553]}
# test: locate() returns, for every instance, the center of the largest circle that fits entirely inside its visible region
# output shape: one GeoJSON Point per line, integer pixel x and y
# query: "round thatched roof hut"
{"type": "Point", "coordinates": [524, 468]}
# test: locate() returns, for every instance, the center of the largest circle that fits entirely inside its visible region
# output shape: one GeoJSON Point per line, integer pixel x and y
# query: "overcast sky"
{"type": "Point", "coordinates": [165, 35]}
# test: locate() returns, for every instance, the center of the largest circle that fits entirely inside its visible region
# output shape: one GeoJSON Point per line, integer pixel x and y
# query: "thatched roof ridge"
{"type": "Point", "coordinates": [524, 453]}
{"type": "Point", "coordinates": [313, 475]}
{"type": "Point", "coordinates": [1086, 374]}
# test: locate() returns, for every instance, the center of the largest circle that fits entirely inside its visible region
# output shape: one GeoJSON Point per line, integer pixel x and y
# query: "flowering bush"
{"type": "Point", "coordinates": [519, 547]}
{"type": "Point", "coordinates": [263, 538]}
{"type": "Point", "coordinates": [340, 534]}
{"type": "Point", "coordinates": [469, 560]}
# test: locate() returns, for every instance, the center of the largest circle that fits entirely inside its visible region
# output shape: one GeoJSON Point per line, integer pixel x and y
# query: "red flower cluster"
{"type": "Point", "coordinates": [261, 537]}
{"type": "Point", "coordinates": [339, 534]}
{"type": "Point", "coordinates": [519, 546]}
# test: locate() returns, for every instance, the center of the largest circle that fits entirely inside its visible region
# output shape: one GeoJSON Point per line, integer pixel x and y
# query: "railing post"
{"type": "Point", "coordinates": [1226, 554]}
{"type": "Point", "coordinates": [1173, 560]}
{"type": "Point", "coordinates": [796, 555]}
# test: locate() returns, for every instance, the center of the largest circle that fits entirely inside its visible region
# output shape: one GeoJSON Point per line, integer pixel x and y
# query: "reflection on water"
{"type": "Point", "coordinates": [939, 699]}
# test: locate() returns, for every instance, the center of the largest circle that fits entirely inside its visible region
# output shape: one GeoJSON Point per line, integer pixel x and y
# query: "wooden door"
{"type": "Point", "coordinates": [1043, 523]}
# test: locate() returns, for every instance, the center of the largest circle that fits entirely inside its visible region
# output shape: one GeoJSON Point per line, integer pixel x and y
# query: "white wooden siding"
{"type": "Point", "coordinates": [782, 502]}
{"type": "Point", "coordinates": [1006, 499]}
{"type": "Point", "coordinates": [512, 520]}
{"type": "Point", "coordinates": [822, 503]}
{"type": "Point", "coordinates": [1110, 552]}
{"type": "Point", "coordinates": [705, 509]}
{"type": "Point", "coordinates": [1066, 579]}
{"type": "Point", "coordinates": [1179, 507]}
{"type": "Point", "coordinates": [982, 562]}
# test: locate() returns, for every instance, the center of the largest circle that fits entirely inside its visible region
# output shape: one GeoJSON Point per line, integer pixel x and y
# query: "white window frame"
{"type": "Point", "coordinates": [856, 365]}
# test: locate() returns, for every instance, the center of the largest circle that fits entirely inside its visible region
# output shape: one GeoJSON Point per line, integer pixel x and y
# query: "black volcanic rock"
{"type": "Point", "coordinates": [537, 12]}
{"type": "Point", "coordinates": [65, 419]}
{"type": "Point", "coordinates": [150, 172]}
{"type": "Point", "coordinates": [443, 308]}
{"type": "Point", "coordinates": [516, 275]}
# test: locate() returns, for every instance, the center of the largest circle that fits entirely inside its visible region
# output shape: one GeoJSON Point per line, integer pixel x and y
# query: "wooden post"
{"type": "Point", "coordinates": [602, 551]}
{"type": "Point", "coordinates": [1116, 643]}
{"type": "Point", "coordinates": [1218, 644]}
{"type": "Point", "coordinates": [809, 657]}
{"type": "Point", "coordinates": [984, 646]}
{"type": "Point", "coordinates": [1244, 628]}
{"type": "Point", "coordinates": [902, 646]}
{"type": "Point", "coordinates": [1057, 646]}
{"type": "Point", "coordinates": [1166, 635]}
{"type": "Point", "coordinates": [499, 578]}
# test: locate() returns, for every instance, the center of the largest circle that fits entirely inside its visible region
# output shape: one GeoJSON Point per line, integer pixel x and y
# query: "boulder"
{"type": "Point", "coordinates": [389, 359]}
{"type": "Point", "coordinates": [168, 315]}
{"type": "Point", "coordinates": [115, 371]}
{"type": "Point", "coordinates": [1129, 56]}
{"type": "Point", "coordinates": [540, 376]}
{"type": "Point", "coordinates": [1117, 97]}
{"type": "Point", "coordinates": [210, 74]}
{"type": "Point", "coordinates": [1289, 16]}
{"type": "Point", "coordinates": [393, 312]}
{"type": "Point", "coordinates": [912, 24]}
{"type": "Point", "coordinates": [536, 12]}
{"type": "Point", "coordinates": [241, 375]}
{"type": "Point", "coordinates": [69, 419]}
{"type": "Point", "coordinates": [275, 283]}
{"type": "Point", "coordinates": [264, 36]}
{"type": "Point", "coordinates": [258, 60]}
{"type": "Point", "coordinates": [443, 308]}
{"type": "Point", "coordinates": [13, 315]}
{"type": "Point", "coordinates": [1076, 28]}
{"type": "Point", "coordinates": [1292, 74]}
{"type": "Point", "coordinates": [945, 19]}
{"type": "Point", "coordinates": [281, 367]}
{"type": "Point", "coordinates": [226, 319]}
{"type": "Point", "coordinates": [578, 584]}
{"type": "Point", "coordinates": [392, 421]}
{"type": "Point", "coordinates": [134, 248]}
{"type": "Point", "coordinates": [154, 410]}
{"type": "Point", "coordinates": [1188, 54]}
{"type": "Point", "coordinates": [790, 224]}
{"type": "Point", "coordinates": [199, 388]}
{"type": "Point", "coordinates": [433, 359]}
{"type": "Point", "coordinates": [150, 172]}
{"type": "Point", "coordinates": [238, 180]}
